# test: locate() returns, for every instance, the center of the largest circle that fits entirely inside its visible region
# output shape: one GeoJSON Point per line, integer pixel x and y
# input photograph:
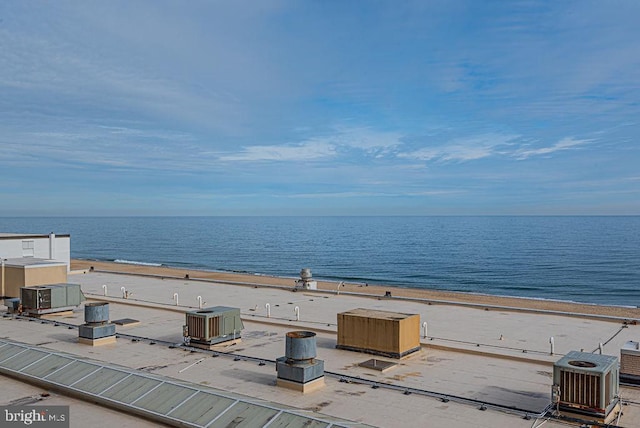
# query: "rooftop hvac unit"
{"type": "Point", "coordinates": [44, 299]}
{"type": "Point", "coordinates": [390, 334]}
{"type": "Point", "coordinates": [209, 326]}
{"type": "Point", "coordinates": [587, 384]}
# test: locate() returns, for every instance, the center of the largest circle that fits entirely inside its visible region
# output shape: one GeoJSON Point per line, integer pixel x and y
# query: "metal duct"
{"type": "Point", "coordinates": [96, 313]}
{"type": "Point", "coordinates": [300, 346]}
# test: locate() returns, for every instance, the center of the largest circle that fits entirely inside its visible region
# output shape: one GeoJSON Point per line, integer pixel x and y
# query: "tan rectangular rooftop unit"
{"type": "Point", "coordinates": [630, 363]}
{"type": "Point", "coordinates": [587, 385]}
{"type": "Point", "coordinates": [29, 271]}
{"type": "Point", "coordinates": [209, 326]}
{"type": "Point", "coordinates": [390, 334]}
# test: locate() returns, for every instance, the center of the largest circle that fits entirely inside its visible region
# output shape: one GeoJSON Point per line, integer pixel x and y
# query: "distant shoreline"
{"type": "Point", "coordinates": [437, 296]}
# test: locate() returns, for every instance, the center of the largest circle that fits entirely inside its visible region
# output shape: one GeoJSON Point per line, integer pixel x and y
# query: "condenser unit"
{"type": "Point", "coordinates": [44, 299]}
{"type": "Point", "coordinates": [586, 384]}
{"type": "Point", "coordinates": [213, 325]}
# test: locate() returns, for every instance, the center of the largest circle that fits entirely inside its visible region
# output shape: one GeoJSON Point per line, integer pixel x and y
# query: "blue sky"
{"type": "Point", "coordinates": [319, 107]}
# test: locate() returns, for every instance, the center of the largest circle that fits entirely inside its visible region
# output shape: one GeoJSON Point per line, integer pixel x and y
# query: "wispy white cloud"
{"type": "Point", "coordinates": [90, 146]}
{"type": "Point", "coordinates": [371, 142]}
{"type": "Point", "coordinates": [97, 57]}
{"type": "Point", "coordinates": [360, 194]}
{"type": "Point", "coordinates": [310, 150]}
{"type": "Point", "coordinates": [463, 149]}
{"type": "Point", "coordinates": [567, 143]}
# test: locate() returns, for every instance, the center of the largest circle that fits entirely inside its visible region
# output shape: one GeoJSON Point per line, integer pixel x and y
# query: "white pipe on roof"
{"type": "Point", "coordinates": [52, 246]}
{"type": "Point", "coordinates": [3, 294]}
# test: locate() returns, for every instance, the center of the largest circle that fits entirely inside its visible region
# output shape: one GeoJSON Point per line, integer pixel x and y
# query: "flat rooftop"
{"type": "Point", "coordinates": [478, 367]}
{"type": "Point", "coordinates": [31, 262]}
{"type": "Point", "coordinates": [5, 235]}
{"type": "Point", "coordinates": [377, 314]}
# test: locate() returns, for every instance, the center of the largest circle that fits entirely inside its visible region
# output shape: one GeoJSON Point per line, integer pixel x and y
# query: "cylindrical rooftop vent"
{"type": "Point", "coordinates": [305, 274]}
{"type": "Point", "coordinates": [96, 313]}
{"type": "Point", "coordinates": [300, 346]}
{"type": "Point", "coordinates": [52, 246]}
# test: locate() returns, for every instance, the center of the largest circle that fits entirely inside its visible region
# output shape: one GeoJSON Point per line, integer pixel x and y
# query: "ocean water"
{"type": "Point", "coordinates": [583, 259]}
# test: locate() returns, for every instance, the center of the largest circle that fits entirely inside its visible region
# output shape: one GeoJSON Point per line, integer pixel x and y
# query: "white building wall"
{"type": "Point", "coordinates": [37, 246]}
{"type": "Point", "coordinates": [10, 248]}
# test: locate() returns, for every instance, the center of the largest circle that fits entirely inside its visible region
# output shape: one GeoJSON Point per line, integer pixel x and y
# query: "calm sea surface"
{"type": "Point", "coordinates": [584, 259]}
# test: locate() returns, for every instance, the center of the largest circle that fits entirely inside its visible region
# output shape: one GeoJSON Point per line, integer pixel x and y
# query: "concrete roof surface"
{"type": "Point", "coordinates": [160, 397]}
{"type": "Point", "coordinates": [496, 357]}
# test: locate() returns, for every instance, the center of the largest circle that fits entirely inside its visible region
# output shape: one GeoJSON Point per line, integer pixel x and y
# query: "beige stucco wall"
{"type": "Point", "coordinates": [13, 280]}
{"type": "Point", "coordinates": [17, 277]}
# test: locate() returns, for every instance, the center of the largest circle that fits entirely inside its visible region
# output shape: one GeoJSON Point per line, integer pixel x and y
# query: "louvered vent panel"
{"type": "Point", "coordinates": [214, 326]}
{"type": "Point", "coordinates": [581, 389]}
{"type": "Point", "coordinates": [196, 327]}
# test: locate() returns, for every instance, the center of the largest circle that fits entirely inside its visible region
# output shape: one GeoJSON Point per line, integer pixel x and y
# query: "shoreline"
{"type": "Point", "coordinates": [437, 296]}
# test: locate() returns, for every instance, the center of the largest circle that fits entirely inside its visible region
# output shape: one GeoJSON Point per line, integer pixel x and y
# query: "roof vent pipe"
{"type": "Point", "coordinates": [268, 308]}
{"type": "Point", "coordinates": [296, 310]}
{"type": "Point", "coordinates": [305, 274]}
{"type": "Point", "coordinates": [306, 280]}
{"type": "Point", "coordinates": [552, 345]}
{"type": "Point", "coordinates": [299, 369]}
{"type": "Point", "coordinates": [199, 302]}
{"type": "Point", "coordinates": [52, 246]}
{"type": "Point", "coordinates": [300, 346]}
{"type": "Point", "coordinates": [424, 326]}
{"type": "Point", "coordinates": [104, 289]}
{"type": "Point", "coordinates": [175, 297]}
{"type": "Point", "coordinates": [96, 313]}
{"type": "Point", "coordinates": [97, 329]}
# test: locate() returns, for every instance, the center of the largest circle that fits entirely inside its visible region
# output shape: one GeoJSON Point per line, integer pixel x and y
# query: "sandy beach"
{"type": "Point", "coordinates": [436, 296]}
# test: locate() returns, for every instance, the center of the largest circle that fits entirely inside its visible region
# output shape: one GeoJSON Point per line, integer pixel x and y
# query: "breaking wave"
{"type": "Point", "coordinates": [131, 262]}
